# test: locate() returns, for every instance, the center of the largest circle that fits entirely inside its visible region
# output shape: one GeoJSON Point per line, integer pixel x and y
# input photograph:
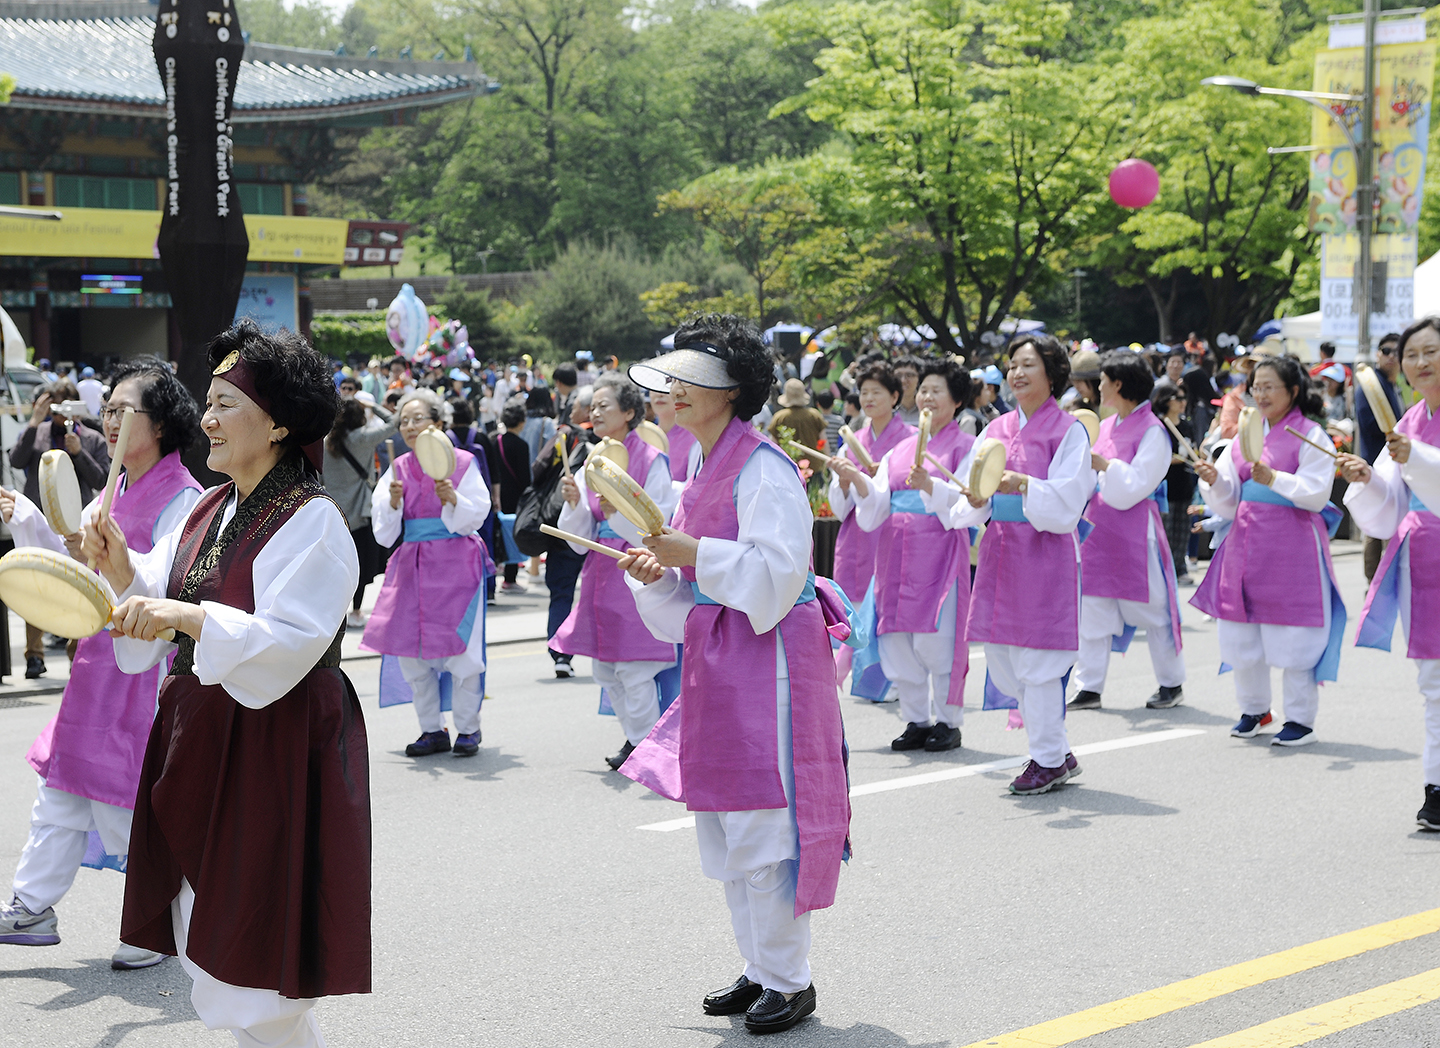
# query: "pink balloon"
{"type": "Point", "coordinates": [1134, 183]}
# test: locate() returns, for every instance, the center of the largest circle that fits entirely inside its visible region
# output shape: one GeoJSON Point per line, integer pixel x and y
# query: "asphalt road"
{"type": "Point", "coordinates": [518, 900]}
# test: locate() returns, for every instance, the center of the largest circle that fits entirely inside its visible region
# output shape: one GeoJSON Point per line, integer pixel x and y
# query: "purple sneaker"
{"type": "Point", "coordinates": [1072, 767]}
{"type": "Point", "coordinates": [467, 745]}
{"type": "Point", "coordinates": [20, 927]}
{"type": "Point", "coordinates": [429, 742]}
{"type": "Point", "coordinates": [1035, 779]}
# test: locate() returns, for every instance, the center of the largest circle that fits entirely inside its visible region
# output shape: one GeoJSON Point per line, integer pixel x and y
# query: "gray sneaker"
{"type": "Point", "coordinates": [1166, 698]}
{"type": "Point", "coordinates": [20, 927]}
{"type": "Point", "coordinates": [128, 958]}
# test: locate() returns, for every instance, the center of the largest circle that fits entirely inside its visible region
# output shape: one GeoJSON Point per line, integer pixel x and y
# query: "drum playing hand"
{"type": "Point", "coordinates": [1354, 469]}
{"type": "Point", "coordinates": [1399, 445]}
{"type": "Point", "coordinates": [920, 480]}
{"type": "Point", "coordinates": [641, 565]}
{"type": "Point", "coordinates": [144, 617]}
{"type": "Point", "coordinates": [1207, 472]}
{"type": "Point", "coordinates": [1098, 462]}
{"type": "Point", "coordinates": [1263, 474]}
{"type": "Point", "coordinates": [1012, 483]}
{"type": "Point", "coordinates": [103, 542]}
{"type": "Point", "coordinates": [72, 545]}
{"type": "Point", "coordinates": [397, 492]}
{"type": "Point", "coordinates": [673, 549]}
{"type": "Point", "coordinates": [7, 504]}
{"type": "Point", "coordinates": [72, 443]}
{"type": "Point", "coordinates": [570, 491]}
{"type": "Point", "coordinates": [445, 492]}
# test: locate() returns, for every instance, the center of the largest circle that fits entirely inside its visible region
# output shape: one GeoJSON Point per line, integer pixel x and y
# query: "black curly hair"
{"type": "Point", "coordinates": [1052, 355]}
{"type": "Point", "coordinates": [747, 361]}
{"type": "Point", "coordinates": [294, 378]}
{"type": "Point", "coordinates": [957, 380]}
{"type": "Point", "coordinates": [1130, 371]}
{"type": "Point", "coordinates": [879, 372]}
{"type": "Point", "coordinates": [1296, 379]}
{"type": "Point", "coordinates": [165, 399]}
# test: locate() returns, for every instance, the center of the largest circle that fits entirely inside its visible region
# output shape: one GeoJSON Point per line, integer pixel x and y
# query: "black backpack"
{"type": "Point", "coordinates": [541, 504]}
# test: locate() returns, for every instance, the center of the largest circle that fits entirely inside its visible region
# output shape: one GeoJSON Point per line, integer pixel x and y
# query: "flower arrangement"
{"type": "Point", "coordinates": [815, 486]}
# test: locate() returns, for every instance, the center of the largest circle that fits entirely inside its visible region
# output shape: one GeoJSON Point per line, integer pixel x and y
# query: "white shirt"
{"type": "Point", "coordinates": [761, 572]}
{"type": "Point", "coordinates": [29, 527]}
{"type": "Point", "coordinates": [1127, 484]}
{"type": "Point", "coordinates": [91, 391]}
{"type": "Point", "coordinates": [1308, 487]}
{"type": "Point", "coordinates": [304, 578]}
{"type": "Point", "coordinates": [1379, 505]}
{"type": "Point", "coordinates": [578, 520]}
{"type": "Point", "coordinates": [472, 506]}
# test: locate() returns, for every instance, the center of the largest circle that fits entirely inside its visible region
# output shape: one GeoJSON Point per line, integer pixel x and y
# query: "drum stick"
{"type": "Point", "coordinates": [1318, 447]}
{"type": "Point", "coordinates": [564, 453]}
{"type": "Point", "coordinates": [1184, 444]}
{"type": "Point", "coordinates": [810, 451]}
{"type": "Point", "coordinates": [950, 476]}
{"type": "Point", "coordinates": [568, 537]}
{"type": "Point", "coordinates": [856, 449]}
{"type": "Point", "coordinates": [121, 440]}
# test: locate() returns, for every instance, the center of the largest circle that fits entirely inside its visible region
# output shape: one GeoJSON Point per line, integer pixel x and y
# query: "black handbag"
{"type": "Point", "coordinates": [541, 504]}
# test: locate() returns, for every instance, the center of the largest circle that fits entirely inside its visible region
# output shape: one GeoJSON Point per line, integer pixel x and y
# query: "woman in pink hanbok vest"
{"type": "Point", "coordinates": [1271, 584]}
{"type": "Point", "coordinates": [1025, 603]}
{"type": "Point", "coordinates": [88, 757]}
{"type": "Point", "coordinates": [1398, 500]}
{"type": "Point", "coordinates": [754, 745]}
{"type": "Point", "coordinates": [922, 568]}
{"type": "Point", "coordinates": [431, 609]}
{"type": "Point", "coordinates": [1126, 571]}
{"type": "Point", "coordinates": [603, 623]}
{"type": "Point", "coordinates": [683, 453]}
{"type": "Point", "coordinates": [855, 547]}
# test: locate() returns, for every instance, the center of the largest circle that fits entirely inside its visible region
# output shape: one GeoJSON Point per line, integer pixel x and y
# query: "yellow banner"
{"type": "Point", "coordinates": [87, 232]}
{"type": "Point", "coordinates": [1342, 254]}
{"type": "Point", "coordinates": [1404, 79]}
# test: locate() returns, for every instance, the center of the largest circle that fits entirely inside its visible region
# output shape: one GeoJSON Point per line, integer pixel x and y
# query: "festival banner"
{"type": "Point", "coordinates": [1404, 80]}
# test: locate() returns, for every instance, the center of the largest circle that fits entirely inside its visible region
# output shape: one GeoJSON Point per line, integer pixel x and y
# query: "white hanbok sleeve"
{"type": "Point", "coordinates": [174, 515]}
{"type": "Point", "coordinates": [304, 578]}
{"type": "Point", "coordinates": [1309, 487]}
{"type": "Point", "coordinates": [1422, 473]}
{"type": "Point", "coordinates": [577, 519]}
{"type": "Point", "coordinates": [1127, 484]}
{"type": "Point", "coordinates": [950, 505]}
{"type": "Point", "coordinates": [1055, 503]}
{"type": "Point", "coordinates": [386, 522]}
{"type": "Point", "coordinates": [1222, 498]}
{"type": "Point", "coordinates": [472, 504]}
{"type": "Point", "coordinates": [841, 503]}
{"type": "Point", "coordinates": [761, 572]}
{"type": "Point", "coordinates": [28, 526]}
{"type": "Point", "coordinates": [873, 509]}
{"type": "Point", "coordinates": [1379, 505]}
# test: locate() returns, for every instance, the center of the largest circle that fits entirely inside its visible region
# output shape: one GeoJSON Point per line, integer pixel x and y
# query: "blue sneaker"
{"type": "Point", "coordinates": [1248, 725]}
{"type": "Point", "coordinates": [429, 742]}
{"type": "Point", "coordinates": [1293, 735]}
{"type": "Point", "coordinates": [467, 745]}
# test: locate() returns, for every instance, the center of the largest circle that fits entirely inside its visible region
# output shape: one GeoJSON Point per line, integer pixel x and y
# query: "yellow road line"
{"type": "Point", "coordinates": [1177, 995]}
{"type": "Point", "coordinates": [1334, 1016]}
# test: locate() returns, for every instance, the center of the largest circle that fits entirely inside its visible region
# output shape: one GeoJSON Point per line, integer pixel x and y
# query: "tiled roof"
{"type": "Point", "coordinates": [105, 65]}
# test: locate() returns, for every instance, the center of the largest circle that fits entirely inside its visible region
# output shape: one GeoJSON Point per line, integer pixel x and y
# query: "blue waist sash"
{"type": "Point", "coordinates": [1161, 495]}
{"type": "Point", "coordinates": [430, 529]}
{"type": "Point", "coordinates": [605, 531]}
{"type": "Point", "coordinates": [1416, 506]}
{"type": "Point", "coordinates": [1009, 508]}
{"type": "Point", "coordinates": [908, 501]}
{"type": "Point", "coordinates": [806, 595]}
{"type": "Point", "coordinates": [1254, 491]}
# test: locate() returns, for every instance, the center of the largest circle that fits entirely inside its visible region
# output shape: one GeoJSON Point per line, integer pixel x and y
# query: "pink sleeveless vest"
{"type": "Point", "coordinates": [1114, 559]}
{"type": "Point", "coordinates": [604, 622]}
{"type": "Point", "coordinates": [855, 547]}
{"type": "Point", "coordinates": [918, 559]}
{"type": "Point", "coordinates": [95, 744]}
{"type": "Point", "coordinates": [681, 441]}
{"type": "Point", "coordinates": [434, 586]}
{"type": "Point", "coordinates": [1026, 590]}
{"type": "Point", "coordinates": [1420, 533]}
{"type": "Point", "coordinates": [720, 753]}
{"type": "Point", "coordinates": [1265, 570]}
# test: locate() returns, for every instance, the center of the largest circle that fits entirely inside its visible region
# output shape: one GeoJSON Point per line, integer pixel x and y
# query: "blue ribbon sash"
{"type": "Point", "coordinates": [430, 529]}
{"type": "Point", "coordinates": [908, 501]}
{"type": "Point", "coordinates": [806, 595]}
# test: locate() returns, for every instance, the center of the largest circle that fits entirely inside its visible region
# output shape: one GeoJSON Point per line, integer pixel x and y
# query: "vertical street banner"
{"type": "Point", "coordinates": [202, 241]}
{"type": "Point", "coordinates": [1404, 81]}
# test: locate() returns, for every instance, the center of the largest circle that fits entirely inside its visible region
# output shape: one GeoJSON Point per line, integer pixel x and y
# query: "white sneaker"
{"type": "Point", "coordinates": [127, 958]}
{"type": "Point", "coordinates": [354, 620]}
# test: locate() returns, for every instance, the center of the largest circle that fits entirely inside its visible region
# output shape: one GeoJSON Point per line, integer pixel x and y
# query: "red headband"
{"type": "Point", "coordinates": [235, 370]}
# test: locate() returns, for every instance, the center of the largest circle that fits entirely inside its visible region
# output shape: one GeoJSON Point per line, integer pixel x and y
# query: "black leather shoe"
{"type": "Point", "coordinates": [1429, 816]}
{"type": "Point", "coordinates": [34, 666]}
{"type": "Point", "coordinates": [735, 999]}
{"type": "Point", "coordinates": [912, 738]}
{"type": "Point", "coordinates": [773, 1013]}
{"type": "Point", "coordinates": [618, 759]}
{"type": "Point", "coordinates": [942, 737]}
{"type": "Point", "coordinates": [1085, 700]}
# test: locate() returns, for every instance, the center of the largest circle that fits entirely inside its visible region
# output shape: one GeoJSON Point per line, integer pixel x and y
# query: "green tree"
{"type": "Point", "coordinates": [590, 300]}
{"type": "Point", "coordinates": [304, 23]}
{"type": "Point", "coordinates": [475, 310]}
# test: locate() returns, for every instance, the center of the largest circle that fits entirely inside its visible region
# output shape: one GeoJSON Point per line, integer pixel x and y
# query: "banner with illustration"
{"type": "Point", "coordinates": [1404, 80]}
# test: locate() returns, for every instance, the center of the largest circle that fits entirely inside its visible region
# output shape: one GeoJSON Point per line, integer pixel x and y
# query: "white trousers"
{"type": "Point", "coordinates": [916, 663]}
{"type": "Point", "coordinates": [60, 824]}
{"type": "Point", "coordinates": [774, 943]}
{"type": "Point", "coordinates": [257, 1018]}
{"type": "Point", "coordinates": [634, 695]}
{"type": "Point", "coordinates": [1034, 676]}
{"type": "Point", "coordinates": [1429, 675]}
{"type": "Point", "coordinates": [1253, 647]}
{"type": "Point", "coordinates": [423, 676]}
{"type": "Point", "coordinates": [1102, 618]}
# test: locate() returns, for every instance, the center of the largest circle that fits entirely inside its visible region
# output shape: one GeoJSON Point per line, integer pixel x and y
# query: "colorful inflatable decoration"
{"type": "Point", "coordinates": [1134, 183]}
{"type": "Point", "coordinates": [407, 323]}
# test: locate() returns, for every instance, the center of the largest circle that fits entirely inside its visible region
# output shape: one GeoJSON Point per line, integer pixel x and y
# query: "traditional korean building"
{"type": "Point", "coordinates": [84, 133]}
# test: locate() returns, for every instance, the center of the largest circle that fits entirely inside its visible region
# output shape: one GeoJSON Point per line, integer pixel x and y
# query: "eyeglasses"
{"type": "Point", "coordinates": [110, 414]}
{"type": "Point", "coordinates": [1389, 351]}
